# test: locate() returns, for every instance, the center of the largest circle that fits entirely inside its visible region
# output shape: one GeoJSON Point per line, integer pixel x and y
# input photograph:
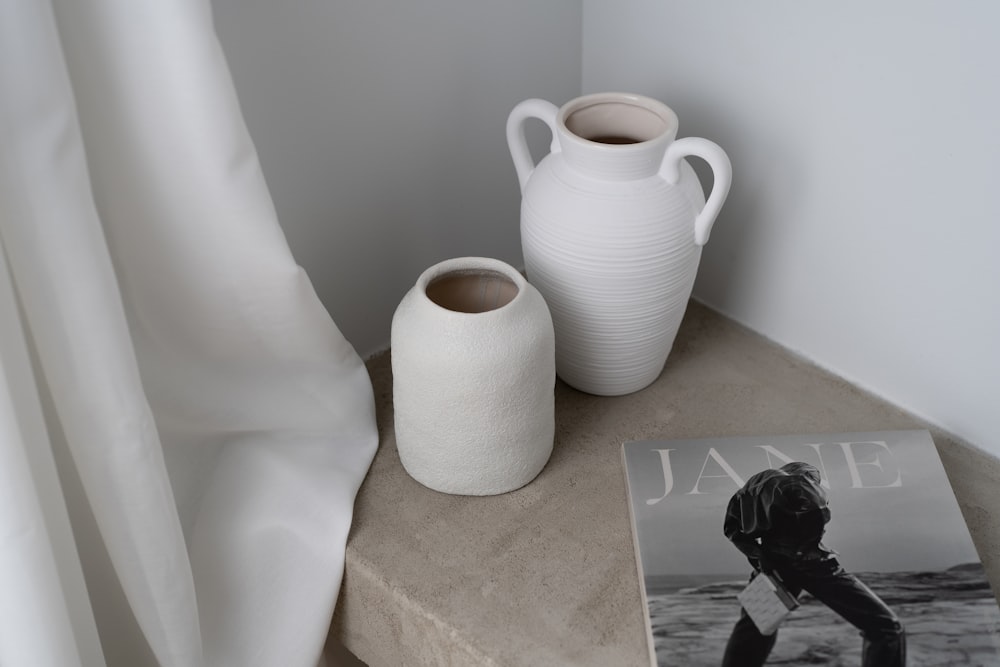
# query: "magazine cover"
{"type": "Point", "coordinates": [863, 528]}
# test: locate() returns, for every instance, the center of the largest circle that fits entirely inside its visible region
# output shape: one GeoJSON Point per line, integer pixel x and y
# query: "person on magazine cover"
{"type": "Point", "coordinates": [777, 521]}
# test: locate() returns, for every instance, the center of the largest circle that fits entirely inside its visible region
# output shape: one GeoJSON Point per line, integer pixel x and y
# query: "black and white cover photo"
{"type": "Point", "coordinates": [863, 528]}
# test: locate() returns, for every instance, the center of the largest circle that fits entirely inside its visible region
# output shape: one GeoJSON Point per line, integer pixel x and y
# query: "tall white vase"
{"type": "Point", "coordinates": [612, 224]}
{"type": "Point", "coordinates": [473, 365]}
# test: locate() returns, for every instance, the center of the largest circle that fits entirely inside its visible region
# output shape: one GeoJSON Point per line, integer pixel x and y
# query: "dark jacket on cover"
{"type": "Point", "coordinates": [780, 513]}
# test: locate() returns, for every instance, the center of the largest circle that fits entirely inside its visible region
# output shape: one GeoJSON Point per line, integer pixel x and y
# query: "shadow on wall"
{"type": "Point", "coordinates": [381, 132]}
{"type": "Point", "coordinates": [759, 212]}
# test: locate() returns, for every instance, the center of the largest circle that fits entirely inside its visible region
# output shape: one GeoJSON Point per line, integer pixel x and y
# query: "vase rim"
{"type": "Point", "coordinates": [656, 121]}
{"type": "Point", "coordinates": [471, 265]}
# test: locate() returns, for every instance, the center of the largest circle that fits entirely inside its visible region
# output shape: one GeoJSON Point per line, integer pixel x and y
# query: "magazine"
{"type": "Point", "coordinates": [862, 529]}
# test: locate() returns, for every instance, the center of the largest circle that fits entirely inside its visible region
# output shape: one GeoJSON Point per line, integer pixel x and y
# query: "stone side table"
{"type": "Point", "coordinates": [546, 575]}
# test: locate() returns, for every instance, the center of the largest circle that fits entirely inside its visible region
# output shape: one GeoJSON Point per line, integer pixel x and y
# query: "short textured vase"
{"type": "Point", "coordinates": [473, 365]}
{"type": "Point", "coordinates": [612, 224]}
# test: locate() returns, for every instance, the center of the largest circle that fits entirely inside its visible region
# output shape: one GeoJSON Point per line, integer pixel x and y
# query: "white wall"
{"type": "Point", "coordinates": [865, 139]}
{"type": "Point", "coordinates": [863, 226]}
{"type": "Point", "coordinates": [380, 129]}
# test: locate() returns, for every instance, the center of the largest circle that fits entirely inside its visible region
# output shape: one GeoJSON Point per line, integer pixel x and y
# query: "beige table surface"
{"type": "Point", "coordinates": [546, 575]}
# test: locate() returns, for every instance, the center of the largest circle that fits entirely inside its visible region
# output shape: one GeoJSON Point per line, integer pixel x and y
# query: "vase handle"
{"type": "Point", "coordinates": [533, 108]}
{"type": "Point", "coordinates": [722, 169]}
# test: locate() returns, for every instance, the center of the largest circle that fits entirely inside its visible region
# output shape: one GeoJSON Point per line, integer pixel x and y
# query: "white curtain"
{"type": "Point", "coordinates": [183, 429]}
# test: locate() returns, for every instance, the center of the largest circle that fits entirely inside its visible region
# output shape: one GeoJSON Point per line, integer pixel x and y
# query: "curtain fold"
{"type": "Point", "coordinates": [216, 424]}
{"type": "Point", "coordinates": [40, 604]}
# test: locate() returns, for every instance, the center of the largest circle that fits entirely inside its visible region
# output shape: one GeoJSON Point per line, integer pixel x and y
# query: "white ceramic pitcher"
{"type": "Point", "coordinates": [612, 224]}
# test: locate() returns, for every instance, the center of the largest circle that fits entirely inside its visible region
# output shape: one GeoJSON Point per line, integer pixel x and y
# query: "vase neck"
{"type": "Point", "coordinates": [616, 162]}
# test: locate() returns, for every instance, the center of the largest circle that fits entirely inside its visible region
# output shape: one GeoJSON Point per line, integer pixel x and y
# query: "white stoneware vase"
{"type": "Point", "coordinates": [612, 224]}
{"type": "Point", "coordinates": [473, 365]}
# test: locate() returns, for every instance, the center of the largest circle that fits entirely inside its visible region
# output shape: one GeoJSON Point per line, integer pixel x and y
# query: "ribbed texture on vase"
{"type": "Point", "coordinates": [616, 278]}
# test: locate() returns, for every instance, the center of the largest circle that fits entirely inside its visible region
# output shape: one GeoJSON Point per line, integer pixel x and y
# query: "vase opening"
{"type": "Point", "coordinates": [472, 290]}
{"type": "Point", "coordinates": [616, 122]}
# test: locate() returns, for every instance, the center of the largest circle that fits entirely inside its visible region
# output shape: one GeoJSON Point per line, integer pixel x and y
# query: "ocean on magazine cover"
{"type": "Point", "coordinates": [951, 618]}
